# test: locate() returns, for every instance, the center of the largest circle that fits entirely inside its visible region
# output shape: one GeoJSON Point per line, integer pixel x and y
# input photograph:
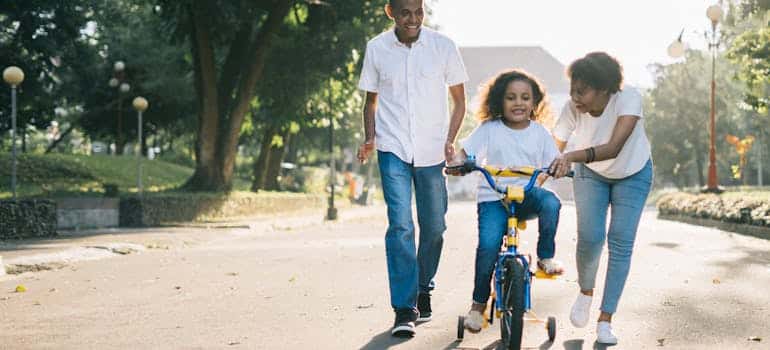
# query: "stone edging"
{"type": "Point", "coordinates": [744, 229]}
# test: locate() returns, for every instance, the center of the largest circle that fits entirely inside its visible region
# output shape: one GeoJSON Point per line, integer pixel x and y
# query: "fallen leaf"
{"type": "Point", "coordinates": [292, 279]}
{"type": "Point", "coordinates": [660, 341]}
{"type": "Point", "coordinates": [233, 343]}
{"type": "Point", "coordinates": [52, 290]}
{"type": "Point", "coordinates": [177, 287]}
{"type": "Point", "coordinates": [365, 306]}
{"type": "Point", "coordinates": [757, 339]}
{"type": "Point", "coordinates": [36, 303]}
{"type": "Point", "coordinates": [232, 274]}
{"type": "Point", "coordinates": [716, 281]}
{"type": "Point", "coordinates": [21, 288]}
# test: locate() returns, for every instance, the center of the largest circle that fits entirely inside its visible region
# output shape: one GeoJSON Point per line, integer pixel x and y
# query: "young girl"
{"type": "Point", "coordinates": [510, 136]}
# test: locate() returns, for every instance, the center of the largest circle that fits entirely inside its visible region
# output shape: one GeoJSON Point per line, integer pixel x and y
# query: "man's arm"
{"type": "Point", "coordinates": [370, 107]}
{"type": "Point", "coordinates": [458, 113]}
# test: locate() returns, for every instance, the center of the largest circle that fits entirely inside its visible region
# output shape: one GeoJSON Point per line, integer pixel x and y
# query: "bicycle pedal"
{"type": "Point", "coordinates": [540, 274]}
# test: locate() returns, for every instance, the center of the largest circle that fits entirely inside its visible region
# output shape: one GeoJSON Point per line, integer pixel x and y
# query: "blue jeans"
{"type": "Point", "coordinates": [412, 270]}
{"type": "Point", "coordinates": [625, 198]}
{"type": "Point", "coordinates": [493, 223]}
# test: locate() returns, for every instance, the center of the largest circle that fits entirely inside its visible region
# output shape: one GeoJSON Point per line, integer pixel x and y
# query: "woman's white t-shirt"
{"type": "Point", "coordinates": [589, 131]}
{"type": "Point", "coordinates": [495, 144]}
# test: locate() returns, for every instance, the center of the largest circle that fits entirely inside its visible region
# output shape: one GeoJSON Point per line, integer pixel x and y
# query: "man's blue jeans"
{"type": "Point", "coordinates": [412, 270]}
{"type": "Point", "coordinates": [625, 198]}
{"type": "Point", "coordinates": [493, 224]}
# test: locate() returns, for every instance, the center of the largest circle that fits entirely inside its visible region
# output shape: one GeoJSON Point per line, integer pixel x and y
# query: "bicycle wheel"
{"type": "Point", "coordinates": [512, 321]}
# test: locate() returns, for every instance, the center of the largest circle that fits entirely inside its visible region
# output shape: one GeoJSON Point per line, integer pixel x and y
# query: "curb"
{"type": "Point", "coordinates": [2, 266]}
{"type": "Point", "coordinates": [762, 232]}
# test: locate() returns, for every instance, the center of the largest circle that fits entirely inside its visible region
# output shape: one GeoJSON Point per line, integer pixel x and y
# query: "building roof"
{"type": "Point", "coordinates": [483, 63]}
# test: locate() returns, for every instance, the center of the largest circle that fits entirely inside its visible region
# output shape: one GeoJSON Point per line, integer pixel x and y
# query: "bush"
{"type": "Point", "coordinates": [154, 210]}
{"type": "Point", "coordinates": [27, 218]}
{"type": "Point", "coordinates": [737, 209]}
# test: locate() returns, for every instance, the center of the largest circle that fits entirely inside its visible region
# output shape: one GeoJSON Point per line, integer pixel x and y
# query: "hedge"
{"type": "Point", "coordinates": [735, 209]}
{"type": "Point", "coordinates": [155, 210]}
{"type": "Point", "coordinates": [27, 218]}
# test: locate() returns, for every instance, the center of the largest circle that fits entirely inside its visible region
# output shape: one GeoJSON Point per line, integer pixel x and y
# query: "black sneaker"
{"type": "Point", "coordinates": [404, 325]}
{"type": "Point", "coordinates": [423, 306]}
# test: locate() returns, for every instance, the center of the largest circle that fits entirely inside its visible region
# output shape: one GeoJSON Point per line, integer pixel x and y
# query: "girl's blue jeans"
{"type": "Point", "coordinates": [493, 223]}
{"type": "Point", "coordinates": [411, 270]}
{"type": "Point", "coordinates": [625, 199]}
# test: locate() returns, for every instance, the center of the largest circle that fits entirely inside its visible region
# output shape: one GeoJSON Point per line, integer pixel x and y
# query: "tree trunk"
{"type": "Point", "coordinates": [699, 166]}
{"type": "Point", "coordinates": [219, 129]}
{"type": "Point", "coordinates": [260, 166]}
{"type": "Point", "coordinates": [277, 154]}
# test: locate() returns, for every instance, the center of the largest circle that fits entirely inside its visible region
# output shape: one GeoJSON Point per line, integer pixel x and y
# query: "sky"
{"type": "Point", "coordinates": [637, 32]}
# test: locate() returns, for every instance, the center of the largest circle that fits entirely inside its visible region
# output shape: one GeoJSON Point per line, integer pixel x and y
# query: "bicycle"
{"type": "Point", "coordinates": [512, 277]}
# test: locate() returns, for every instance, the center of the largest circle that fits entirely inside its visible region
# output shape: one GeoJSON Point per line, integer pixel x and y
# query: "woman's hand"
{"type": "Point", "coordinates": [560, 167]}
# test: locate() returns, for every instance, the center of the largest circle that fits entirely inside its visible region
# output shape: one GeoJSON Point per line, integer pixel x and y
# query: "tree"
{"type": "Point", "coordinates": [44, 39]}
{"type": "Point", "coordinates": [156, 68]}
{"type": "Point", "coordinates": [311, 74]}
{"type": "Point", "coordinates": [677, 110]}
{"type": "Point", "coordinates": [229, 41]}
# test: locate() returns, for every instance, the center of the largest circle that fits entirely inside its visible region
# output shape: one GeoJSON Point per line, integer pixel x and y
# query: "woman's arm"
{"type": "Point", "coordinates": [623, 129]}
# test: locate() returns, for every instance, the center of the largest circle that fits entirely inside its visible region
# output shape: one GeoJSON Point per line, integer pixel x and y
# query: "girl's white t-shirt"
{"type": "Point", "coordinates": [493, 143]}
{"type": "Point", "coordinates": [589, 131]}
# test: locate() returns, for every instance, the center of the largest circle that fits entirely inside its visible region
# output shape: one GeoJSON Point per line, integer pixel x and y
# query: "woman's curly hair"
{"type": "Point", "coordinates": [598, 70]}
{"type": "Point", "coordinates": [493, 93]}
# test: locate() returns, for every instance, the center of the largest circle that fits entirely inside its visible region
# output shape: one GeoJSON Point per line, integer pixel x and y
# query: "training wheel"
{"type": "Point", "coordinates": [460, 327]}
{"type": "Point", "coordinates": [551, 326]}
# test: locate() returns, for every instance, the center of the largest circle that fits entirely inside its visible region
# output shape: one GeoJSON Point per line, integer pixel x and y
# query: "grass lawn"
{"type": "Point", "coordinates": [79, 175]}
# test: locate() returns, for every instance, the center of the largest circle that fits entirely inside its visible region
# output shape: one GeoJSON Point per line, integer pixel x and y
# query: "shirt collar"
{"type": "Point", "coordinates": [422, 39]}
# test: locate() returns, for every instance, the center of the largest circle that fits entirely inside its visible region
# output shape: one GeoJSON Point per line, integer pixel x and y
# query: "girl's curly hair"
{"type": "Point", "coordinates": [493, 93]}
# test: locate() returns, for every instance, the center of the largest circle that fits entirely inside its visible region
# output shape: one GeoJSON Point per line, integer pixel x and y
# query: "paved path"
{"type": "Point", "coordinates": [305, 284]}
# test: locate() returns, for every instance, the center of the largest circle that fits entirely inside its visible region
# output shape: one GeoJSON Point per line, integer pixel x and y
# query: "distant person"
{"type": "Point", "coordinates": [511, 136]}
{"type": "Point", "coordinates": [613, 170]}
{"type": "Point", "coordinates": [406, 74]}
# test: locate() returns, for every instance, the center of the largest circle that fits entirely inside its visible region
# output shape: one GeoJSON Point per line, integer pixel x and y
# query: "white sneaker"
{"type": "Point", "coordinates": [474, 321]}
{"type": "Point", "coordinates": [604, 333]}
{"type": "Point", "coordinates": [580, 310]}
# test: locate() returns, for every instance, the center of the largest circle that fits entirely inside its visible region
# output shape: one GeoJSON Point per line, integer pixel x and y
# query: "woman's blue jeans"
{"type": "Point", "coordinates": [625, 198]}
{"type": "Point", "coordinates": [412, 270]}
{"type": "Point", "coordinates": [493, 223]}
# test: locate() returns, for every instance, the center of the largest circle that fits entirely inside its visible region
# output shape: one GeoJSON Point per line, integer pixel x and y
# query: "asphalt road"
{"type": "Point", "coordinates": [302, 283]}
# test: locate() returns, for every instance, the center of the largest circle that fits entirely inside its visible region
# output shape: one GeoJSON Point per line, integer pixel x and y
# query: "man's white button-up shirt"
{"type": "Point", "coordinates": [412, 117]}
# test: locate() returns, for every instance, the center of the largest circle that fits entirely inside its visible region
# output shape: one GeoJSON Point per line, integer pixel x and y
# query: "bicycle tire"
{"type": "Point", "coordinates": [512, 320]}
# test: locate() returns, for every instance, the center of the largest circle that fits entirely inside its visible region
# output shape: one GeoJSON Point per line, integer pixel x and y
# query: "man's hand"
{"type": "Point", "coordinates": [449, 151]}
{"type": "Point", "coordinates": [365, 151]}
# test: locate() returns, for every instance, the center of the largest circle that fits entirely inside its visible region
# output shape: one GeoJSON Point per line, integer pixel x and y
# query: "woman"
{"type": "Point", "coordinates": [613, 170]}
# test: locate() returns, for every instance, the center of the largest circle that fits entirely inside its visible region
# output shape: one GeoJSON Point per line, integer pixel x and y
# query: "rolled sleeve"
{"type": "Point", "coordinates": [369, 76]}
{"type": "Point", "coordinates": [565, 125]}
{"type": "Point", "coordinates": [455, 69]}
{"type": "Point", "coordinates": [629, 103]}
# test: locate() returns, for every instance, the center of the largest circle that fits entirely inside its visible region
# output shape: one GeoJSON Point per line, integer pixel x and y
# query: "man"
{"type": "Point", "coordinates": [405, 75]}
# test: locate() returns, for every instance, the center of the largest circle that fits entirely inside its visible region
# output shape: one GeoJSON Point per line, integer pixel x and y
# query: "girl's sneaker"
{"type": "Point", "coordinates": [604, 333]}
{"type": "Point", "coordinates": [474, 321]}
{"type": "Point", "coordinates": [550, 266]}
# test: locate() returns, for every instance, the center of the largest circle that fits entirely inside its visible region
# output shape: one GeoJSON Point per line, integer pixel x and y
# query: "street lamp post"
{"type": "Point", "coordinates": [118, 82]}
{"type": "Point", "coordinates": [331, 213]}
{"type": "Point", "coordinates": [13, 76]}
{"type": "Point", "coordinates": [714, 13]}
{"type": "Point", "coordinates": [140, 104]}
{"type": "Point", "coordinates": [676, 50]}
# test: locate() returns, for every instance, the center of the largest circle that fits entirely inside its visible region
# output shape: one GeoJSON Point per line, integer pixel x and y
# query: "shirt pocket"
{"type": "Point", "coordinates": [432, 72]}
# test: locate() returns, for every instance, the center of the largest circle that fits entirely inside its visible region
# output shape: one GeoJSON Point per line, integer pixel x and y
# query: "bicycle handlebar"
{"type": "Point", "coordinates": [469, 166]}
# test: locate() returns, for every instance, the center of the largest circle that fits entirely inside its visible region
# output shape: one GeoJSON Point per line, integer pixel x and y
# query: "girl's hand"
{"type": "Point", "coordinates": [560, 167]}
